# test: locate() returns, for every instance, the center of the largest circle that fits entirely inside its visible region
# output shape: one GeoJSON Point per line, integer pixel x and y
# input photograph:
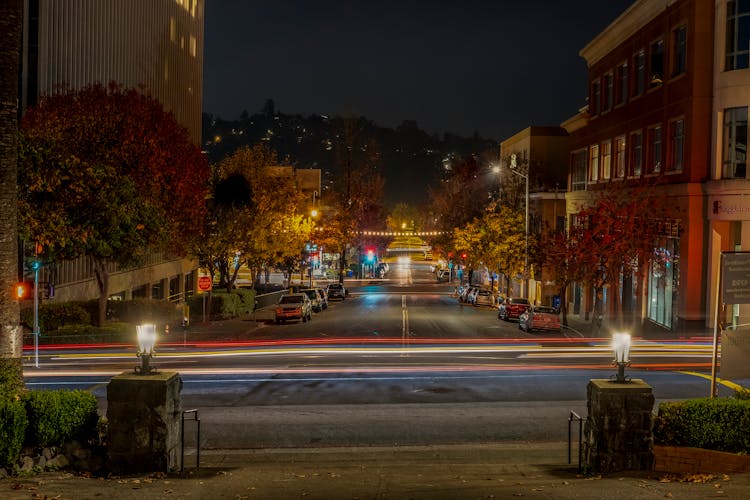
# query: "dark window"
{"type": "Point", "coordinates": [636, 154]}
{"type": "Point", "coordinates": [578, 177]}
{"type": "Point", "coordinates": [620, 165]}
{"type": "Point", "coordinates": [656, 69]}
{"type": "Point", "coordinates": [622, 83]}
{"type": "Point", "coordinates": [676, 145]}
{"type": "Point", "coordinates": [738, 35]}
{"type": "Point", "coordinates": [735, 143]}
{"type": "Point", "coordinates": [654, 150]}
{"type": "Point", "coordinates": [595, 98]}
{"type": "Point", "coordinates": [608, 89]}
{"type": "Point", "coordinates": [640, 73]}
{"type": "Point", "coordinates": [679, 59]}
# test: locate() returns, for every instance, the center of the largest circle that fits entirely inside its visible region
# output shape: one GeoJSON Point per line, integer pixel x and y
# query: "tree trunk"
{"type": "Point", "coordinates": [11, 334]}
{"type": "Point", "coordinates": [564, 304]}
{"type": "Point", "coordinates": [102, 282]}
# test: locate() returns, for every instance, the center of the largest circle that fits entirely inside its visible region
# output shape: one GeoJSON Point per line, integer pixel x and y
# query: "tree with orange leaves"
{"type": "Point", "coordinates": [104, 171]}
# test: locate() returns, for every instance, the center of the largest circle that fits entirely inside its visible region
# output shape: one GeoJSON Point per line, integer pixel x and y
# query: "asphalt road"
{"type": "Point", "coordinates": [399, 361]}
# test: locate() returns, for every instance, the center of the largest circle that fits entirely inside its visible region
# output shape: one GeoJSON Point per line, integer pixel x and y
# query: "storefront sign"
{"type": "Point", "coordinates": [735, 277]}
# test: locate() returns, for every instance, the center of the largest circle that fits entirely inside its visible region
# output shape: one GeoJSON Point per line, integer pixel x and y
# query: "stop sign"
{"type": "Point", "coordinates": [204, 283]}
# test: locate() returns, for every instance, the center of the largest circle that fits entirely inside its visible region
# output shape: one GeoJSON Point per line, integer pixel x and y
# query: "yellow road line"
{"type": "Point", "coordinates": [725, 383]}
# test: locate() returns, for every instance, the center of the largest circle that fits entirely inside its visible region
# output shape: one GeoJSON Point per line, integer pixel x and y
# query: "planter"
{"type": "Point", "coordinates": [682, 459]}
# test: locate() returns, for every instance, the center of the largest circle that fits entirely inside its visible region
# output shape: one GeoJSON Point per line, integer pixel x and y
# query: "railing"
{"type": "Point", "coordinates": [197, 440]}
{"type": "Point", "coordinates": [571, 418]}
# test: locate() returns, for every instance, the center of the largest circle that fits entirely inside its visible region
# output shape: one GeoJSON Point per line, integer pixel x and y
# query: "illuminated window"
{"type": "Point", "coordinates": [594, 163]}
{"type": "Point", "coordinates": [620, 157]}
{"type": "Point", "coordinates": [193, 46]}
{"type": "Point", "coordinates": [606, 160]}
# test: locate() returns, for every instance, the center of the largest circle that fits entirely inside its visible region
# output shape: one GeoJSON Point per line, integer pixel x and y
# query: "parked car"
{"type": "Point", "coordinates": [512, 308]}
{"type": "Point", "coordinates": [336, 291]}
{"type": "Point", "coordinates": [484, 298]}
{"type": "Point", "coordinates": [316, 300]}
{"type": "Point", "coordinates": [466, 292]}
{"type": "Point", "coordinates": [293, 306]}
{"type": "Point", "coordinates": [323, 296]}
{"type": "Point", "coordinates": [540, 318]}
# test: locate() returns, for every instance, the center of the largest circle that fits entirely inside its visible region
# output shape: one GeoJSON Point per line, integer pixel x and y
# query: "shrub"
{"type": "Point", "coordinates": [54, 315]}
{"type": "Point", "coordinates": [223, 305]}
{"type": "Point", "coordinates": [247, 297]}
{"type": "Point", "coordinates": [111, 332]}
{"type": "Point", "coordinates": [13, 423]}
{"type": "Point", "coordinates": [137, 311]}
{"type": "Point", "coordinates": [59, 416]}
{"type": "Point", "coordinates": [721, 424]}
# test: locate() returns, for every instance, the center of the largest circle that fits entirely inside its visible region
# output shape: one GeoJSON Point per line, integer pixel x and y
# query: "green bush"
{"type": "Point", "coordinates": [223, 305]}
{"type": "Point", "coordinates": [13, 424]}
{"type": "Point", "coordinates": [56, 417]}
{"type": "Point", "coordinates": [721, 424]}
{"type": "Point", "coordinates": [53, 315]}
{"type": "Point", "coordinates": [137, 311]}
{"type": "Point", "coordinates": [247, 297]}
{"type": "Point", "coordinates": [111, 332]}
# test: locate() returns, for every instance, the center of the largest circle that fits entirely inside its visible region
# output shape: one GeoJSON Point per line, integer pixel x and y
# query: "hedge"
{"type": "Point", "coordinates": [137, 311]}
{"type": "Point", "coordinates": [56, 417]}
{"type": "Point", "coordinates": [223, 305]}
{"type": "Point", "coordinates": [54, 315]}
{"type": "Point", "coordinates": [13, 425]}
{"type": "Point", "coordinates": [721, 424]}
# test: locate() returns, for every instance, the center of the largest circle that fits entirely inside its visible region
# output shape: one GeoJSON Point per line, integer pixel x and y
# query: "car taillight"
{"type": "Point", "coordinates": [279, 310]}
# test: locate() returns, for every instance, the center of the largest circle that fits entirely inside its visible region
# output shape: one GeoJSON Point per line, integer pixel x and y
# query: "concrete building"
{"type": "Point", "coordinates": [541, 153]}
{"type": "Point", "coordinates": [651, 81]}
{"type": "Point", "coordinates": [156, 45]}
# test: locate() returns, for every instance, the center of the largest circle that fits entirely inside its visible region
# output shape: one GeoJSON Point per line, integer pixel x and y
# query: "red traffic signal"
{"type": "Point", "coordinates": [23, 290]}
{"type": "Point", "coordinates": [463, 255]}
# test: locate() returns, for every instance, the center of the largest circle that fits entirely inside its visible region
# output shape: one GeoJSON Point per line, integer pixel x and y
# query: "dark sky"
{"type": "Point", "coordinates": [491, 66]}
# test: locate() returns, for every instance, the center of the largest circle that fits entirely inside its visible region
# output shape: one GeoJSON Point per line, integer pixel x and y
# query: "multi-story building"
{"type": "Point", "coordinates": [651, 81]}
{"type": "Point", "coordinates": [156, 45]}
{"type": "Point", "coordinates": [541, 153]}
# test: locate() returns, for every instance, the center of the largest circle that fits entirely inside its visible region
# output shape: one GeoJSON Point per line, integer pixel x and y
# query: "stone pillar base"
{"type": "Point", "coordinates": [144, 422]}
{"type": "Point", "coordinates": [618, 432]}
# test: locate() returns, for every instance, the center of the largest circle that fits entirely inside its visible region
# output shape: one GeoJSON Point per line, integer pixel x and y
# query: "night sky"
{"type": "Point", "coordinates": [490, 66]}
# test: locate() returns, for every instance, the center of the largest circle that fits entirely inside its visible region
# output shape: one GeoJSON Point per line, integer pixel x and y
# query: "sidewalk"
{"type": "Point", "coordinates": [504, 470]}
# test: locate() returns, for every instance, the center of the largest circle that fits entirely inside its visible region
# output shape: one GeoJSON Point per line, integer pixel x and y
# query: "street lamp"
{"type": "Point", "coordinates": [513, 168]}
{"type": "Point", "coordinates": [146, 342]}
{"type": "Point", "coordinates": [621, 347]}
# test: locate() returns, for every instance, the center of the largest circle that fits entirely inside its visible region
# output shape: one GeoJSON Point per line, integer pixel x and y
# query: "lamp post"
{"type": "Point", "coordinates": [621, 347]}
{"type": "Point", "coordinates": [146, 342]}
{"type": "Point", "coordinates": [513, 168]}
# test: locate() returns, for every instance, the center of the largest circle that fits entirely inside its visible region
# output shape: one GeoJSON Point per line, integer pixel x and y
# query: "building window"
{"type": "Point", "coordinates": [594, 163]}
{"type": "Point", "coordinates": [679, 51]}
{"type": "Point", "coordinates": [578, 177]}
{"type": "Point", "coordinates": [608, 83]}
{"type": "Point", "coordinates": [640, 73]}
{"type": "Point", "coordinates": [735, 143]}
{"type": "Point", "coordinates": [636, 154]}
{"type": "Point", "coordinates": [595, 98]}
{"type": "Point", "coordinates": [620, 166]}
{"type": "Point", "coordinates": [738, 35]}
{"type": "Point", "coordinates": [622, 83]}
{"type": "Point", "coordinates": [606, 160]}
{"type": "Point", "coordinates": [654, 150]}
{"type": "Point", "coordinates": [676, 145]}
{"type": "Point", "coordinates": [656, 68]}
{"type": "Point", "coordinates": [663, 282]}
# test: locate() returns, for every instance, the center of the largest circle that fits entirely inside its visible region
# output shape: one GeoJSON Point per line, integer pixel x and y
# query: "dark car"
{"type": "Point", "coordinates": [315, 296]}
{"type": "Point", "coordinates": [336, 291]}
{"type": "Point", "coordinates": [512, 308]}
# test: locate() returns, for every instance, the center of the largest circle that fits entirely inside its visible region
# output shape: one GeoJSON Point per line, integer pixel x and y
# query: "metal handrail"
{"type": "Point", "coordinates": [574, 416]}
{"type": "Point", "coordinates": [197, 440]}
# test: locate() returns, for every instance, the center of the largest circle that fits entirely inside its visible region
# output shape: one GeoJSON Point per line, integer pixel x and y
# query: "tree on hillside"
{"type": "Point", "coordinates": [11, 336]}
{"type": "Point", "coordinates": [106, 172]}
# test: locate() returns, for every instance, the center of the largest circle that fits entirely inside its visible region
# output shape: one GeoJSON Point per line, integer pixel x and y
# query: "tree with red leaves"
{"type": "Point", "coordinates": [104, 171]}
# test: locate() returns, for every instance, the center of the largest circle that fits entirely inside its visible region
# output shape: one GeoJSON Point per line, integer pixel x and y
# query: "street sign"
{"type": "Point", "coordinates": [204, 283]}
{"type": "Point", "coordinates": [736, 278]}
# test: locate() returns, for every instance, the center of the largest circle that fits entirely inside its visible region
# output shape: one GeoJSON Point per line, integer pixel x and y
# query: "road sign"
{"type": "Point", "coordinates": [204, 283]}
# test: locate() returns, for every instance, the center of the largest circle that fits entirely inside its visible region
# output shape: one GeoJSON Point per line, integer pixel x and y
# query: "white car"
{"type": "Point", "coordinates": [483, 298]}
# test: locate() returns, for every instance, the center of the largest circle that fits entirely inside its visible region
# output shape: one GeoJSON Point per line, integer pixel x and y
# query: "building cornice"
{"type": "Point", "coordinates": [626, 25]}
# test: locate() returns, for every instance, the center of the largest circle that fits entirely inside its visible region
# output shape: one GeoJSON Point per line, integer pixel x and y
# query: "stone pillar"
{"type": "Point", "coordinates": [144, 422]}
{"type": "Point", "coordinates": [618, 431]}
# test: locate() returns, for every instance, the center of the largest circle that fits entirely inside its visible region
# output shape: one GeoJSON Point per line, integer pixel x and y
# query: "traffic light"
{"type": "Point", "coordinates": [463, 255]}
{"type": "Point", "coordinates": [370, 255]}
{"type": "Point", "coordinates": [24, 290]}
